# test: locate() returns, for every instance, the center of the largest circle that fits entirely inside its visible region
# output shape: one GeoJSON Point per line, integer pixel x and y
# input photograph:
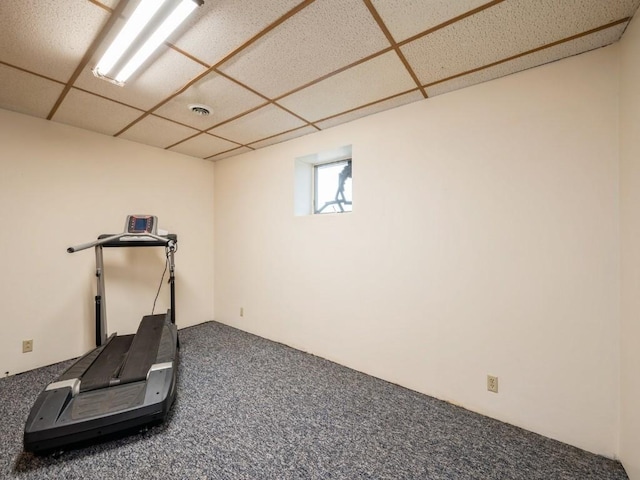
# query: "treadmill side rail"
{"type": "Point", "coordinates": [73, 384]}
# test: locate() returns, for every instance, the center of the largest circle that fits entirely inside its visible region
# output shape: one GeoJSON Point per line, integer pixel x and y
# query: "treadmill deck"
{"type": "Point", "coordinates": [125, 384]}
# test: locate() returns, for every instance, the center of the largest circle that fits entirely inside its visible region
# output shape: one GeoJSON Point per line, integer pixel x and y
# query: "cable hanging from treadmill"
{"type": "Point", "coordinates": [164, 272]}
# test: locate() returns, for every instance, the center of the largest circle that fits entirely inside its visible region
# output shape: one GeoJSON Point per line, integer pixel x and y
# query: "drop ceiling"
{"type": "Point", "coordinates": [274, 70]}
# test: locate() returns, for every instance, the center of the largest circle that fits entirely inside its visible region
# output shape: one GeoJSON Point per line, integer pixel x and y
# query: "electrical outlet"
{"type": "Point", "coordinates": [241, 312]}
{"type": "Point", "coordinates": [492, 383]}
{"type": "Point", "coordinates": [27, 346]}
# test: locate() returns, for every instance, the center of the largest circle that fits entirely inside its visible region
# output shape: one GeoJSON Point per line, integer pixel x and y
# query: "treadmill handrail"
{"type": "Point", "coordinates": [102, 241]}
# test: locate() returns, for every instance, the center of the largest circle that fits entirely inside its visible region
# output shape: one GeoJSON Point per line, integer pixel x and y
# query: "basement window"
{"type": "Point", "coordinates": [332, 187]}
{"type": "Point", "coordinates": [323, 182]}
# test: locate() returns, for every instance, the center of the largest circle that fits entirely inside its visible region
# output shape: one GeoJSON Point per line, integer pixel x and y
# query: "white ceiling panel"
{"type": "Point", "coordinates": [284, 137]}
{"type": "Point", "coordinates": [46, 36]}
{"type": "Point", "coordinates": [26, 93]}
{"type": "Point", "coordinates": [264, 122]}
{"type": "Point", "coordinates": [226, 99]}
{"type": "Point", "coordinates": [221, 26]}
{"type": "Point", "coordinates": [168, 74]}
{"type": "Point", "coordinates": [203, 146]}
{"type": "Point", "coordinates": [325, 36]}
{"type": "Point", "coordinates": [371, 109]}
{"type": "Point", "coordinates": [157, 131]}
{"type": "Point", "coordinates": [406, 18]}
{"type": "Point", "coordinates": [507, 29]}
{"type": "Point", "coordinates": [367, 82]}
{"type": "Point", "coordinates": [91, 112]}
{"type": "Point", "coordinates": [567, 49]}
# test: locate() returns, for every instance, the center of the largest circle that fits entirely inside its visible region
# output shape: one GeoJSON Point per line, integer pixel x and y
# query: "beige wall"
{"type": "Point", "coordinates": [630, 251]}
{"type": "Point", "coordinates": [484, 240]}
{"type": "Point", "coordinates": [61, 186]}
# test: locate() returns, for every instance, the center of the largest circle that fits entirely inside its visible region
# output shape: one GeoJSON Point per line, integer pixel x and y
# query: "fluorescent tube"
{"type": "Point", "coordinates": [179, 14]}
{"type": "Point", "coordinates": [140, 18]}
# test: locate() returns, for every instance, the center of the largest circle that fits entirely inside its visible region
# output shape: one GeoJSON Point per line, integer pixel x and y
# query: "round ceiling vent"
{"type": "Point", "coordinates": [198, 109]}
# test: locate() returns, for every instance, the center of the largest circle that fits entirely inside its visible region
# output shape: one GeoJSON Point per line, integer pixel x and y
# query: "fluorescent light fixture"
{"type": "Point", "coordinates": [149, 25]}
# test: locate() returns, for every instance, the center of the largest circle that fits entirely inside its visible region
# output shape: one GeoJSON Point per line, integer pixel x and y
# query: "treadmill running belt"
{"type": "Point", "coordinates": [106, 366]}
{"type": "Point", "coordinates": [144, 349]}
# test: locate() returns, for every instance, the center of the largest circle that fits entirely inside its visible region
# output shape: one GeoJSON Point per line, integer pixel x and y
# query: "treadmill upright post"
{"type": "Point", "coordinates": [101, 306]}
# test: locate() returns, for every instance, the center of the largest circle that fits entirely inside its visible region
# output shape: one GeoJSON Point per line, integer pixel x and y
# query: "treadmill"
{"type": "Point", "coordinates": [125, 383]}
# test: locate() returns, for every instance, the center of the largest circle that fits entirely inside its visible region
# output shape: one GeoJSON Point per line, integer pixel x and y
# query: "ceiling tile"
{"type": "Point", "coordinates": [157, 131]}
{"type": "Point", "coordinates": [264, 122]}
{"type": "Point", "coordinates": [226, 99]}
{"type": "Point", "coordinates": [26, 93]}
{"type": "Point", "coordinates": [371, 109]}
{"type": "Point", "coordinates": [325, 36]}
{"type": "Point", "coordinates": [405, 18]}
{"type": "Point", "coordinates": [203, 146]}
{"type": "Point", "coordinates": [88, 111]}
{"type": "Point", "coordinates": [381, 77]}
{"type": "Point", "coordinates": [284, 137]}
{"type": "Point", "coordinates": [230, 153]}
{"type": "Point", "coordinates": [567, 49]}
{"type": "Point", "coordinates": [219, 27]}
{"type": "Point", "coordinates": [166, 75]}
{"type": "Point", "coordinates": [45, 36]}
{"type": "Point", "coordinates": [504, 30]}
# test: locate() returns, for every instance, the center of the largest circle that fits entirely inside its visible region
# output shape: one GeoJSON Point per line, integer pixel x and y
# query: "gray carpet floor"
{"type": "Point", "coordinates": [249, 408]}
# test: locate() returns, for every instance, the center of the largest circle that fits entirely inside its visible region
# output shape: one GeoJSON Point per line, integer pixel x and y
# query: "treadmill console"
{"type": "Point", "coordinates": [141, 224]}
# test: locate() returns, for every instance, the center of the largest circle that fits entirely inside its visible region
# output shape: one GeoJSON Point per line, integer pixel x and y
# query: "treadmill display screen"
{"type": "Point", "coordinates": [140, 224]}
